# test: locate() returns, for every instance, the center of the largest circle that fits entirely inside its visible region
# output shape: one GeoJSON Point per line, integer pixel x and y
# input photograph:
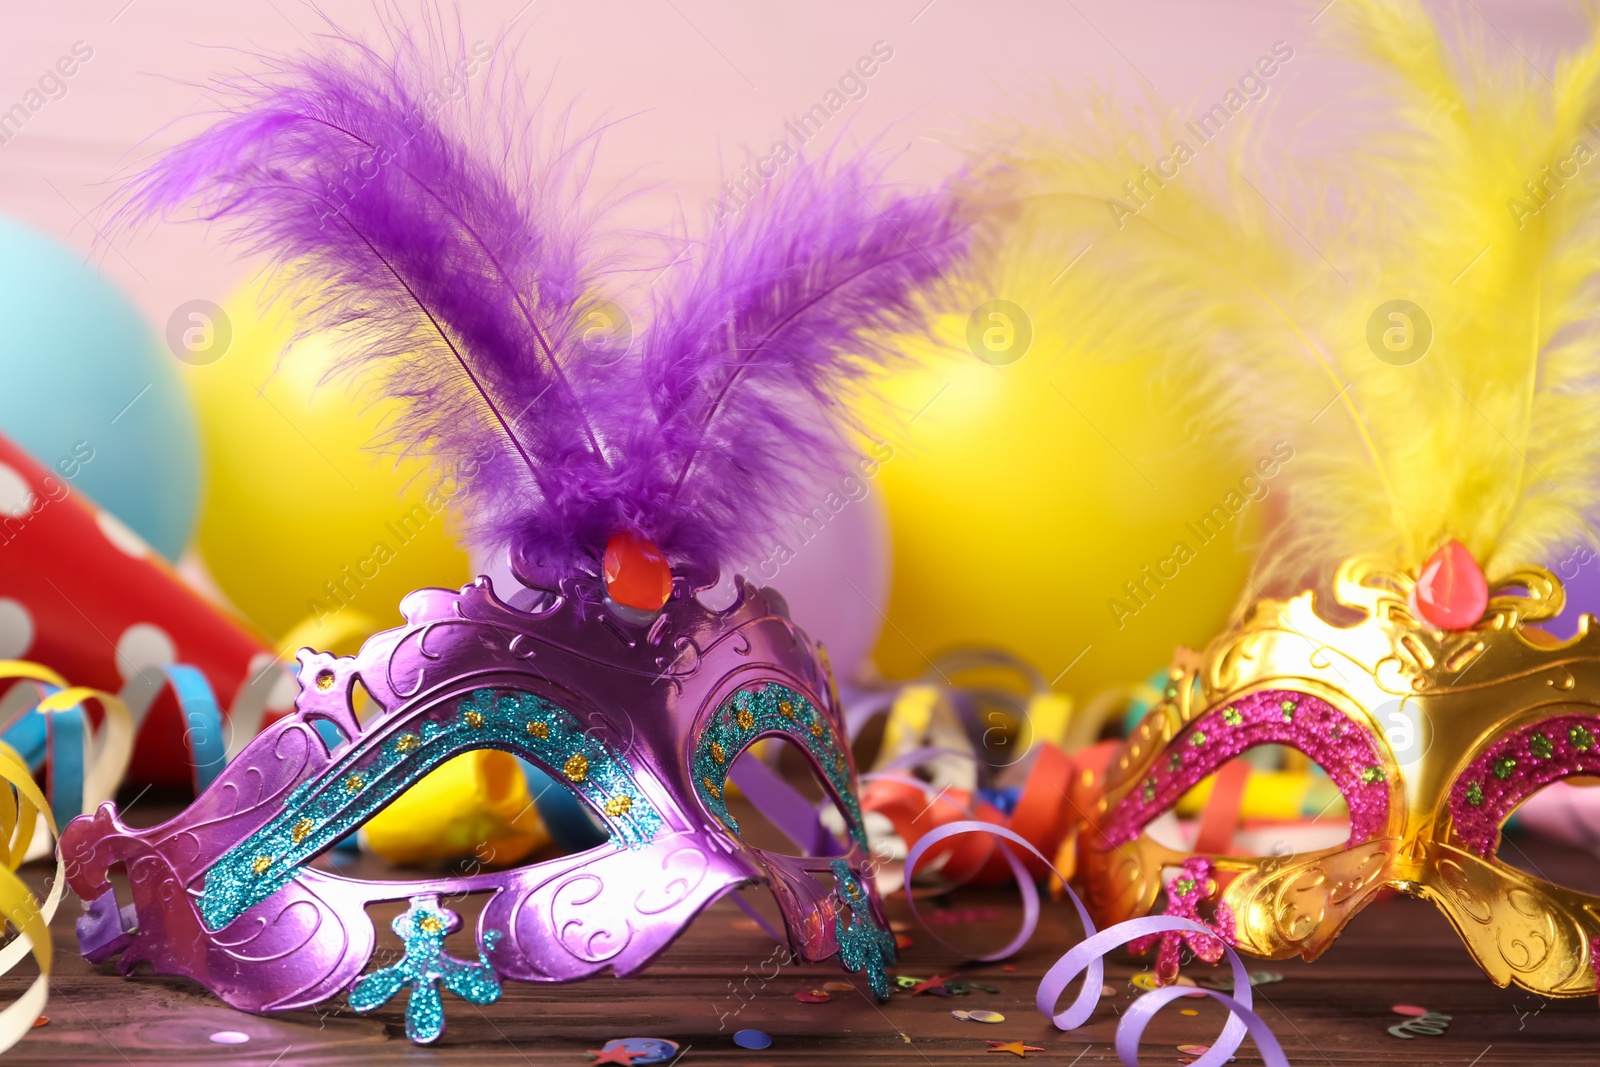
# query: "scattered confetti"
{"type": "Point", "coordinates": [899, 927]}
{"type": "Point", "coordinates": [752, 1039]}
{"type": "Point", "coordinates": [1187, 1011]}
{"type": "Point", "coordinates": [748, 926]}
{"type": "Point", "coordinates": [644, 1050]}
{"type": "Point", "coordinates": [1013, 1046]}
{"type": "Point", "coordinates": [901, 941]}
{"type": "Point", "coordinates": [1225, 985]}
{"type": "Point", "coordinates": [813, 996]}
{"type": "Point", "coordinates": [906, 981]}
{"type": "Point", "coordinates": [837, 987]}
{"type": "Point", "coordinates": [1010, 968]}
{"type": "Point", "coordinates": [615, 1053]}
{"type": "Point", "coordinates": [1108, 991]}
{"type": "Point", "coordinates": [1432, 1023]}
{"type": "Point", "coordinates": [229, 1037]}
{"type": "Point", "coordinates": [983, 1016]}
{"type": "Point", "coordinates": [963, 1016]}
{"type": "Point", "coordinates": [962, 986]}
{"type": "Point", "coordinates": [1146, 980]}
{"type": "Point", "coordinates": [1194, 1050]}
{"type": "Point", "coordinates": [1408, 1009]}
{"type": "Point", "coordinates": [43, 1020]}
{"type": "Point", "coordinates": [934, 985]}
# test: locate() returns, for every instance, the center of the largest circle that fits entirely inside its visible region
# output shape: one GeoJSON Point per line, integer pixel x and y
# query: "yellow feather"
{"type": "Point", "coordinates": [1258, 279]}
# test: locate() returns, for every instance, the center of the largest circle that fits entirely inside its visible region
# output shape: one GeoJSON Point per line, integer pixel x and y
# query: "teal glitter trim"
{"type": "Point", "coordinates": [425, 964]}
{"type": "Point", "coordinates": [771, 709]}
{"type": "Point", "coordinates": [319, 812]}
{"type": "Point", "coordinates": [863, 944]}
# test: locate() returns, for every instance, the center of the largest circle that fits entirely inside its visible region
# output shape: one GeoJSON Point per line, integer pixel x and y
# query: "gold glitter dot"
{"type": "Point", "coordinates": [577, 767]}
{"type": "Point", "coordinates": [430, 924]}
{"type": "Point", "coordinates": [302, 830]}
{"type": "Point", "coordinates": [261, 864]}
{"type": "Point", "coordinates": [745, 719]}
{"type": "Point", "coordinates": [325, 681]}
{"type": "Point", "coordinates": [473, 719]}
{"type": "Point", "coordinates": [786, 709]}
{"type": "Point", "coordinates": [711, 787]}
{"type": "Point", "coordinates": [717, 753]}
{"type": "Point", "coordinates": [816, 728]}
{"type": "Point", "coordinates": [407, 742]}
{"type": "Point", "coordinates": [540, 729]}
{"type": "Point", "coordinates": [618, 806]}
{"type": "Point", "coordinates": [354, 783]}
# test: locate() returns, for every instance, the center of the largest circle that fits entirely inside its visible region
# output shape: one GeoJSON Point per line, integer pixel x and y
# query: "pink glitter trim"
{"type": "Point", "coordinates": [1514, 768]}
{"type": "Point", "coordinates": [1184, 894]}
{"type": "Point", "coordinates": [1338, 744]}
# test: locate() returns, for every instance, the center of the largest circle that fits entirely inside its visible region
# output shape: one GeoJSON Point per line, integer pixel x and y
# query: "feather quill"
{"type": "Point", "coordinates": [1268, 301]}
{"type": "Point", "coordinates": [457, 265]}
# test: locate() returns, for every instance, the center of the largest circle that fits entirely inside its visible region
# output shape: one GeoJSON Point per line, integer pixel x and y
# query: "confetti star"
{"type": "Point", "coordinates": [614, 1055]}
{"type": "Point", "coordinates": [934, 985]}
{"type": "Point", "coordinates": [1013, 1046]}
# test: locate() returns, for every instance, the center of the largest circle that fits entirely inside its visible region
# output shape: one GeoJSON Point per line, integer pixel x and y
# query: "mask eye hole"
{"type": "Point", "coordinates": [772, 713]}
{"type": "Point", "coordinates": [1270, 801]}
{"type": "Point", "coordinates": [1347, 752]}
{"type": "Point", "coordinates": [481, 810]}
{"type": "Point", "coordinates": [1554, 835]}
{"type": "Point", "coordinates": [775, 831]}
{"type": "Point", "coordinates": [1540, 777]}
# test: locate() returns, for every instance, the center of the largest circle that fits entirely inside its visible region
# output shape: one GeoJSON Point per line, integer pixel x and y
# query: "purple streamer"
{"type": "Point", "coordinates": [1087, 958]}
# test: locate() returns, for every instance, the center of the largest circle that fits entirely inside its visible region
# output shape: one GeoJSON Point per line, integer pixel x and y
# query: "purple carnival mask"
{"type": "Point", "coordinates": [641, 721]}
{"type": "Point", "coordinates": [619, 469]}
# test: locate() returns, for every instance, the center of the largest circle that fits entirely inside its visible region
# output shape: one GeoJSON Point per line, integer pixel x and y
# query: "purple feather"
{"type": "Point", "coordinates": [749, 362]}
{"type": "Point", "coordinates": [460, 265]}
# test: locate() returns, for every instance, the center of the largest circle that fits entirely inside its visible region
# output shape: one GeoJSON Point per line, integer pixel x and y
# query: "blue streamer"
{"type": "Point", "coordinates": [202, 718]}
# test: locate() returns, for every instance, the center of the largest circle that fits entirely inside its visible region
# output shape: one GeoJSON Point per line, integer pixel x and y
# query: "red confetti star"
{"type": "Point", "coordinates": [1013, 1046]}
{"type": "Point", "coordinates": [933, 985]}
{"type": "Point", "coordinates": [614, 1055]}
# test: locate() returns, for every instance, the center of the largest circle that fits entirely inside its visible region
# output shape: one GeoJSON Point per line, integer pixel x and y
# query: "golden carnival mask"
{"type": "Point", "coordinates": [1406, 298]}
{"type": "Point", "coordinates": [1493, 713]}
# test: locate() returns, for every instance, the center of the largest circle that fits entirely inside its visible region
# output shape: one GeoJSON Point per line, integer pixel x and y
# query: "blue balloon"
{"type": "Point", "coordinates": [90, 392]}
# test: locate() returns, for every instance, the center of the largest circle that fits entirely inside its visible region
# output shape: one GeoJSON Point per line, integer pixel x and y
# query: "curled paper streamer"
{"type": "Point", "coordinates": [1087, 959]}
{"type": "Point", "coordinates": [100, 760]}
{"type": "Point", "coordinates": [21, 805]}
{"type": "Point", "coordinates": [42, 710]}
{"type": "Point", "coordinates": [801, 822]}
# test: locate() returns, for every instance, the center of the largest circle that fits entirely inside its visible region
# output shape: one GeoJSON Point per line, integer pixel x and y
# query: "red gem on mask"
{"type": "Point", "coordinates": [637, 575]}
{"type": "Point", "coordinates": [1452, 592]}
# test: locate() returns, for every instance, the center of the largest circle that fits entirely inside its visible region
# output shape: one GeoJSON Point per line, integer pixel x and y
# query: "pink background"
{"type": "Point", "coordinates": [695, 83]}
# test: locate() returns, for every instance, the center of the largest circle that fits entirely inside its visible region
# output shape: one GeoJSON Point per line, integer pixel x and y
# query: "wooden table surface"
{"type": "Point", "coordinates": [1335, 1011]}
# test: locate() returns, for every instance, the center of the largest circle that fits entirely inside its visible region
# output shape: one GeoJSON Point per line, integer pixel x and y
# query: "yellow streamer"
{"type": "Point", "coordinates": [21, 807]}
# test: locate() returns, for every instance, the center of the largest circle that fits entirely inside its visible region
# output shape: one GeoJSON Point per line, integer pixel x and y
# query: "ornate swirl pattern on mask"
{"type": "Point", "coordinates": [321, 811]}
{"type": "Point", "coordinates": [763, 710]}
{"type": "Point", "coordinates": [1341, 746]}
{"type": "Point", "coordinates": [1514, 768]}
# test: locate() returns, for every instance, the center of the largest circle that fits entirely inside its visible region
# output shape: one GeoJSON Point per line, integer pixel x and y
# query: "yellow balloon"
{"type": "Point", "coordinates": [476, 805]}
{"type": "Point", "coordinates": [299, 519]}
{"type": "Point", "coordinates": [1037, 503]}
